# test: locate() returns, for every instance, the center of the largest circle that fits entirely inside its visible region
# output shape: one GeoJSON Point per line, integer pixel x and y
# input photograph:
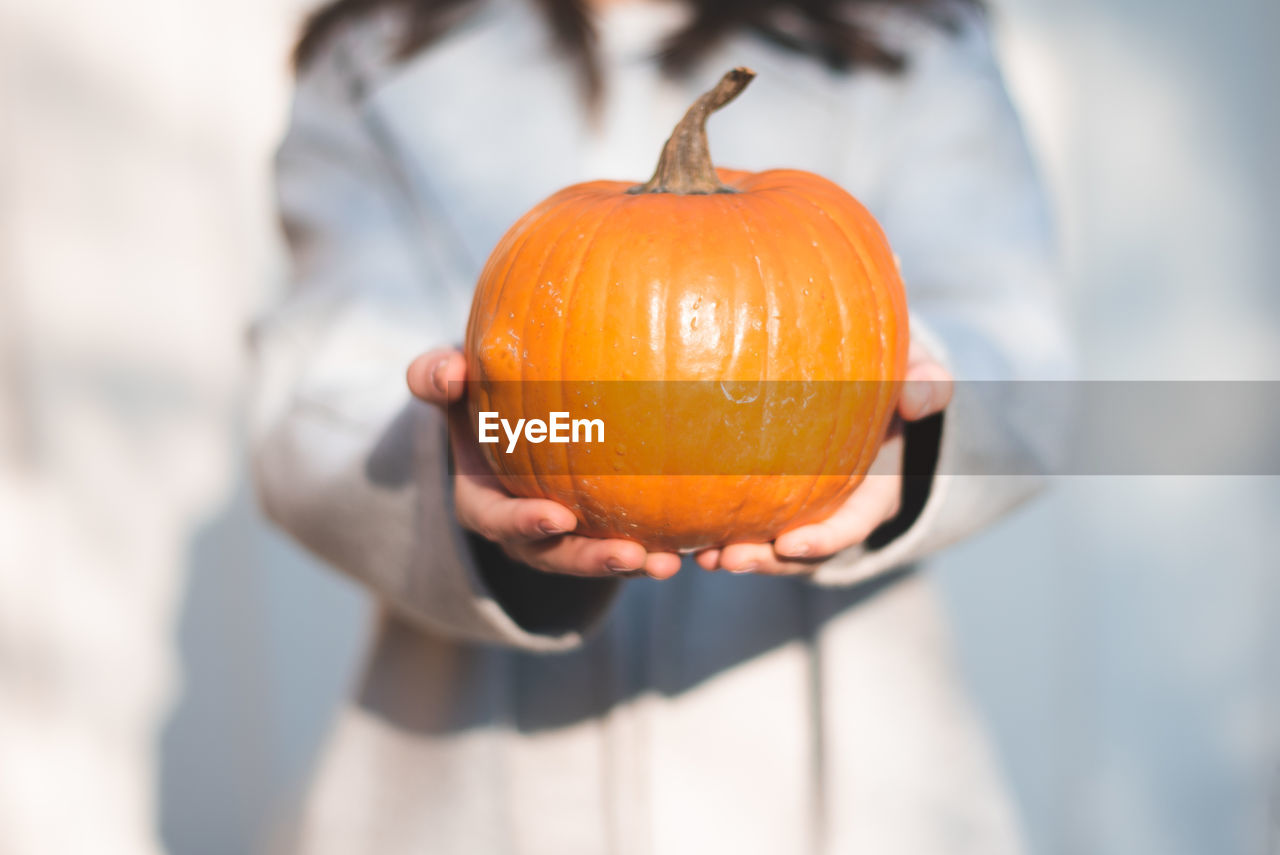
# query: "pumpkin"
{"type": "Point", "coordinates": [741, 336]}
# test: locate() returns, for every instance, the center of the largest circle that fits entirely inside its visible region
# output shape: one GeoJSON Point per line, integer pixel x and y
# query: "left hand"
{"type": "Point", "coordinates": [535, 532]}
{"type": "Point", "coordinates": [927, 390]}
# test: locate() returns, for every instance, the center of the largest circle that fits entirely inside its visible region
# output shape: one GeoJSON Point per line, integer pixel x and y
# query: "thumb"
{"type": "Point", "coordinates": [437, 376]}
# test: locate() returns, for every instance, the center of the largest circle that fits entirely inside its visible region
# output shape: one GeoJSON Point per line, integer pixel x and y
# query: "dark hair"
{"type": "Point", "coordinates": [823, 29]}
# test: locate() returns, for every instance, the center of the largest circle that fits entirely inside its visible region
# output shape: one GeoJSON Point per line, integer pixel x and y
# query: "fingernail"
{"type": "Point", "coordinates": [548, 527]}
{"type": "Point", "coordinates": [614, 566]}
{"type": "Point", "coordinates": [749, 568]}
{"type": "Point", "coordinates": [797, 550]}
{"type": "Point", "coordinates": [437, 378]}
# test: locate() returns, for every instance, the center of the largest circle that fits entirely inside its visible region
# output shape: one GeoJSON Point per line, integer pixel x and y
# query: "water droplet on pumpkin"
{"type": "Point", "coordinates": [620, 450]}
{"type": "Point", "coordinates": [806, 292]}
{"type": "Point", "coordinates": [739, 393]}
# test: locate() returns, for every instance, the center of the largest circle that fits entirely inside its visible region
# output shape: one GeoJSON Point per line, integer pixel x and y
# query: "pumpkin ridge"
{"type": "Point", "coordinates": [888, 363]}
{"type": "Point", "coordinates": [782, 486]}
{"type": "Point", "coordinates": [894, 363]}
{"type": "Point", "coordinates": [815, 477]}
{"type": "Point", "coordinates": [574, 219]}
{"type": "Point", "coordinates": [854, 250]}
{"type": "Point", "coordinates": [736, 203]}
{"type": "Point", "coordinates": [487, 304]}
{"type": "Point", "coordinates": [884, 391]}
{"type": "Point", "coordinates": [485, 312]}
{"type": "Point", "coordinates": [571, 218]}
{"type": "Point", "coordinates": [492, 306]}
{"type": "Point", "coordinates": [871, 442]}
{"type": "Point", "coordinates": [573, 291]}
{"type": "Point", "coordinates": [840, 296]}
{"type": "Point", "coordinates": [874, 237]}
{"type": "Point", "coordinates": [890, 301]}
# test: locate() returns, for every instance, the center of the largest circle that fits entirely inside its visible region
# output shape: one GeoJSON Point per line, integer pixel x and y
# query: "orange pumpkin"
{"type": "Point", "coordinates": [741, 336]}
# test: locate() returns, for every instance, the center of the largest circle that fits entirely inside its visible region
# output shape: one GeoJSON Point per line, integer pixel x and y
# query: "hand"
{"type": "Point", "coordinates": [927, 391]}
{"type": "Point", "coordinates": [535, 532]}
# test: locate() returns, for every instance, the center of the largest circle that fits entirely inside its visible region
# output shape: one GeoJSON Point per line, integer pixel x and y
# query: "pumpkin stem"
{"type": "Point", "coordinates": [685, 166]}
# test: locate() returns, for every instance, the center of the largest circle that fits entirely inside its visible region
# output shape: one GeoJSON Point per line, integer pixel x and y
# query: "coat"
{"type": "Point", "coordinates": [506, 711]}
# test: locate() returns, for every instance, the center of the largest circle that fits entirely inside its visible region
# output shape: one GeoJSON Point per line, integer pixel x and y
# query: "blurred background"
{"type": "Point", "coordinates": [168, 664]}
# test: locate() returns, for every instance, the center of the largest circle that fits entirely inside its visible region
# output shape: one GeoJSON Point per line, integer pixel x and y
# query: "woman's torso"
{"type": "Point", "coordinates": [709, 713]}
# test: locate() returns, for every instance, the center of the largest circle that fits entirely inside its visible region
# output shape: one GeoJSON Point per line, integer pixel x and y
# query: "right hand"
{"type": "Point", "coordinates": [536, 532]}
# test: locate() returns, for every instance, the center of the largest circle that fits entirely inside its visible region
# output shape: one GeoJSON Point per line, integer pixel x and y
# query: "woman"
{"type": "Point", "coordinates": [525, 692]}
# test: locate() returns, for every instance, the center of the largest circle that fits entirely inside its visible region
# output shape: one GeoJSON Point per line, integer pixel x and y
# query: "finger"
{"type": "Point", "coordinates": [745, 557]}
{"type": "Point", "coordinates": [482, 508]}
{"type": "Point", "coordinates": [876, 500]}
{"type": "Point", "coordinates": [661, 565]}
{"type": "Point", "coordinates": [708, 559]}
{"type": "Point", "coordinates": [926, 390]}
{"type": "Point", "coordinates": [759, 559]}
{"type": "Point", "coordinates": [437, 376]}
{"type": "Point", "coordinates": [581, 556]}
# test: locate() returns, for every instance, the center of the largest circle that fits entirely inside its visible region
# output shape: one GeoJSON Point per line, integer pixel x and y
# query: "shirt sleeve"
{"type": "Point", "coordinates": [345, 460]}
{"type": "Point", "coordinates": [961, 203]}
